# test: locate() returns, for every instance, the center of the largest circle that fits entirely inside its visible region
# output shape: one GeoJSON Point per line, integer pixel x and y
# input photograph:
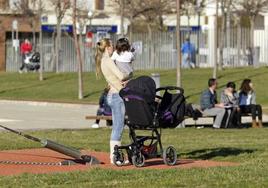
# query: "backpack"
{"type": "Point", "coordinates": [171, 110]}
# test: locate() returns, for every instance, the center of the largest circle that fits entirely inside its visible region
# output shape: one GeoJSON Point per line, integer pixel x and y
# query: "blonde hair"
{"type": "Point", "coordinates": [100, 49]}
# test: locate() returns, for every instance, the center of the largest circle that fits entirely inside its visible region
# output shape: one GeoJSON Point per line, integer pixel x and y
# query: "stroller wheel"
{"type": "Point", "coordinates": [170, 156]}
{"type": "Point", "coordinates": [138, 160]}
{"type": "Point", "coordinates": [118, 159]}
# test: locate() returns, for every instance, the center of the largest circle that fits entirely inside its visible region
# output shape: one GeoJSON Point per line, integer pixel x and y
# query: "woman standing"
{"type": "Point", "coordinates": [114, 78]}
{"type": "Point", "coordinates": [247, 102]}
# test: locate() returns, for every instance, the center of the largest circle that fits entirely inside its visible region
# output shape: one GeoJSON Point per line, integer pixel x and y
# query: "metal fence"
{"type": "Point", "coordinates": [162, 46]}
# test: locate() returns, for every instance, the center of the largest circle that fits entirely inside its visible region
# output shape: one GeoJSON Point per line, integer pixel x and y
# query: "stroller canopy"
{"type": "Point", "coordinates": [143, 86]}
{"type": "Point", "coordinates": [139, 95]}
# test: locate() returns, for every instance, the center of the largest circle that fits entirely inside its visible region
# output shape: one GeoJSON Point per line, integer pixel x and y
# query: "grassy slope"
{"type": "Point", "coordinates": [249, 147]}
{"type": "Point", "coordinates": [63, 87]}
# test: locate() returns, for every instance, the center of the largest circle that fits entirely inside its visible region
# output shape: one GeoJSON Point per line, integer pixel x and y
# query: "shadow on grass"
{"type": "Point", "coordinates": [206, 154]}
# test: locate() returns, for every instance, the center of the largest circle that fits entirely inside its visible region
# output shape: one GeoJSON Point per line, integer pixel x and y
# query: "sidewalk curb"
{"type": "Point", "coordinates": [51, 104]}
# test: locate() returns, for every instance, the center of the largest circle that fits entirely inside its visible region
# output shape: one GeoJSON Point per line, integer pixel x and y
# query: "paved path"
{"type": "Point", "coordinates": [42, 115]}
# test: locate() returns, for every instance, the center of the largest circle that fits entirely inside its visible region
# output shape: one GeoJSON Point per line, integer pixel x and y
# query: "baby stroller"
{"type": "Point", "coordinates": [144, 113]}
{"type": "Point", "coordinates": [32, 61]}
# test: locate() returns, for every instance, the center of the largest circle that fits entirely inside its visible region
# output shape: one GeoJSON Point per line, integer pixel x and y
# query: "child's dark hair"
{"type": "Point", "coordinates": [122, 45]}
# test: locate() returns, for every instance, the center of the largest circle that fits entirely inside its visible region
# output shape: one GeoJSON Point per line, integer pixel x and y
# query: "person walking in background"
{"type": "Point", "coordinates": [25, 48]}
{"type": "Point", "coordinates": [209, 105]}
{"type": "Point", "coordinates": [249, 54]}
{"type": "Point", "coordinates": [230, 99]}
{"type": "Point", "coordinates": [104, 109]}
{"type": "Point", "coordinates": [247, 103]}
{"type": "Point", "coordinates": [188, 54]}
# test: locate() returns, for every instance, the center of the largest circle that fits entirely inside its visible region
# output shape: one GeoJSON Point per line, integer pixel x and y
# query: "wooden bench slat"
{"type": "Point", "coordinates": [99, 117]}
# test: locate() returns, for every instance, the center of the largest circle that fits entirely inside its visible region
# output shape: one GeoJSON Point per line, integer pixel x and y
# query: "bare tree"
{"type": "Point", "coordinates": [40, 11]}
{"type": "Point", "coordinates": [30, 11]}
{"type": "Point", "coordinates": [251, 8]}
{"type": "Point", "coordinates": [216, 41]}
{"type": "Point", "coordinates": [78, 43]}
{"type": "Point", "coordinates": [34, 12]}
{"type": "Point", "coordinates": [178, 44]}
{"type": "Point", "coordinates": [60, 7]}
{"type": "Point", "coordinates": [226, 8]}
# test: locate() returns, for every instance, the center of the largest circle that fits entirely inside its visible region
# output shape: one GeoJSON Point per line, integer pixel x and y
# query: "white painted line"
{"type": "Point", "coordinates": [9, 120]}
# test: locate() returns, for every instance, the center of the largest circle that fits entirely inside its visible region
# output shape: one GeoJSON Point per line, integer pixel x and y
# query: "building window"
{"type": "Point", "coordinates": [99, 4]}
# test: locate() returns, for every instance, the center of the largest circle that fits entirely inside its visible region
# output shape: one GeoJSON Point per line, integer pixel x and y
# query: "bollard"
{"type": "Point", "coordinates": [156, 78]}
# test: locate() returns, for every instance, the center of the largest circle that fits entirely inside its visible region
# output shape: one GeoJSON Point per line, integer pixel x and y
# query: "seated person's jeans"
{"type": "Point", "coordinates": [254, 109]}
{"type": "Point", "coordinates": [118, 115]}
{"type": "Point", "coordinates": [218, 112]}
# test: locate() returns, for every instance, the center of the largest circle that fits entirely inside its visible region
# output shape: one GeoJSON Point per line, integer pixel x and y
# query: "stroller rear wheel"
{"type": "Point", "coordinates": [118, 158]}
{"type": "Point", "coordinates": [170, 156]}
{"type": "Point", "coordinates": [138, 160]}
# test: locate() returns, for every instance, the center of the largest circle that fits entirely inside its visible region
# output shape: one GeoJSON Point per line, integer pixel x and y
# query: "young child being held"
{"type": "Point", "coordinates": [123, 57]}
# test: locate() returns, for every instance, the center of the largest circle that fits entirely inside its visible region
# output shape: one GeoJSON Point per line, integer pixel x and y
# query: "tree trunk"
{"type": "Point", "coordinates": [252, 25]}
{"type": "Point", "coordinates": [78, 54]}
{"type": "Point", "coordinates": [151, 45]}
{"type": "Point", "coordinates": [40, 41]}
{"type": "Point", "coordinates": [216, 42]}
{"type": "Point", "coordinates": [34, 34]}
{"type": "Point", "coordinates": [228, 32]}
{"type": "Point", "coordinates": [58, 45]}
{"type": "Point", "coordinates": [178, 74]}
{"type": "Point", "coordinates": [131, 29]}
{"type": "Point", "coordinates": [122, 7]}
{"type": "Point", "coordinates": [223, 34]}
{"type": "Point", "coordinates": [238, 42]}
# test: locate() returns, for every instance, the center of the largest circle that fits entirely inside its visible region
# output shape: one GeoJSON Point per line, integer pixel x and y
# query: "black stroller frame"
{"type": "Point", "coordinates": [137, 151]}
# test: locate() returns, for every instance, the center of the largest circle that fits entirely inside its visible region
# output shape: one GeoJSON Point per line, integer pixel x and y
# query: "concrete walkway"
{"type": "Point", "coordinates": [25, 115]}
{"type": "Point", "coordinates": [43, 115]}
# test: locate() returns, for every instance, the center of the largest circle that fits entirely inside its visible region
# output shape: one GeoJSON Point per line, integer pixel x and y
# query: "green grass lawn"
{"type": "Point", "coordinates": [63, 87]}
{"type": "Point", "coordinates": [248, 147]}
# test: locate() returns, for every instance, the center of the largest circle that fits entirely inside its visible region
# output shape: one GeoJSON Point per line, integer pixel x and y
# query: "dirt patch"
{"type": "Point", "coordinates": [47, 156]}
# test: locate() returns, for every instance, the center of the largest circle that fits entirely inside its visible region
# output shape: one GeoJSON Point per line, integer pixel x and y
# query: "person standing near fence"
{"type": "Point", "coordinates": [188, 54]}
{"type": "Point", "coordinates": [25, 48]}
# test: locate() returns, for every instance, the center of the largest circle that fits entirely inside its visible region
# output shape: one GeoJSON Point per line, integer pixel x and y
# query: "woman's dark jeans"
{"type": "Point", "coordinates": [254, 109]}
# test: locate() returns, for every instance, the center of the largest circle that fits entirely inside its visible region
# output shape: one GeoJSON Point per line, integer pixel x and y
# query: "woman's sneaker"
{"type": "Point", "coordinates": [95, 126]}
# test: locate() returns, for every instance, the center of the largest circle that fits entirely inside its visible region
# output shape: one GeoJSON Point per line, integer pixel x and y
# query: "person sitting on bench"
{"type": "Point", "coordinates": [209, 105]}
{"type": "Point", "coordinates": [247, 103]}
{"type": "Point", "coordinates": [230, 99]}
{"type": "Point", "coordinates": [104, 109]}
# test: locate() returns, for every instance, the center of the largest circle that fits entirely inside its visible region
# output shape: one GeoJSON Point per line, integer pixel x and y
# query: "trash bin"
{"type": "Point", "coordinates": [156, 78]}
{"type": "Point", "coordinates": [256, 57]}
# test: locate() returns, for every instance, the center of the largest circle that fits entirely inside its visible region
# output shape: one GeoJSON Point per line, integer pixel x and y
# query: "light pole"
{"type": "Point", "coordinates": [90, 16]}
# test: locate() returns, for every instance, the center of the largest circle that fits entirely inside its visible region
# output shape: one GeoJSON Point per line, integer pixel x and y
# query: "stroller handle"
{"type": "Point", "coordinates": [169, 88]}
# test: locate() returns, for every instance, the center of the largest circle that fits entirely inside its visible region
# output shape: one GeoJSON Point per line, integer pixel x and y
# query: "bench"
{"type": "Point", "coordinates": [204, 116]}
{"type": "Point", "coordinates": [99, 117]}
{"type": "Point", "coordinates": [107, 118]}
